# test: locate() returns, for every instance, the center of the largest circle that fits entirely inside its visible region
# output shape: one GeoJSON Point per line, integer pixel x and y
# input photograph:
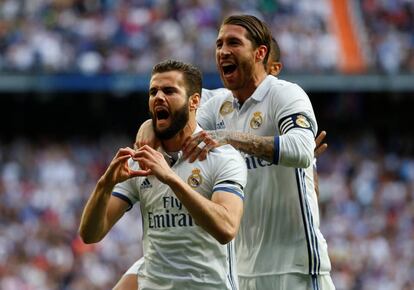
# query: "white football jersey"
{"type": "Point", "coordinates": [207, 94]}
{"type": "Point", "coordinates": [279, 232]}
{"type": "Point", "coordinates": [179, 254]}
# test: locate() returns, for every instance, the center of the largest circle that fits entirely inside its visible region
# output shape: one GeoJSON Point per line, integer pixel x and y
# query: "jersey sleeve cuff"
{"type": "Point", "coordinates": [124, 198]}
{"type": "Point", "coordinates": [276, 150]}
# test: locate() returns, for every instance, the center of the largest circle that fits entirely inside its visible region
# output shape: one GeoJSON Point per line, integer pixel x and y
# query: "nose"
{"type": "Point", "coordinates": [223, 51]}
{"type": "Point", "coordinates": [160, 96]}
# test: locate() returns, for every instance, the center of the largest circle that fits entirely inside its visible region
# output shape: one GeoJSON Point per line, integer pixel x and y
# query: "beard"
{"type": "Point", "coordinates": [178, 121]}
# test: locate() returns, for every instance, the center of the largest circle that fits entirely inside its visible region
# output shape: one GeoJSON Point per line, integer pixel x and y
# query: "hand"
{"type": "Point", "coordinates": [154, 162]}
{"type": "Point", "coordinates": [198, 145]}
{"type": "Point", "coordinates": [320, 147]}
{"type": "Point", "coordinates": [146, 136]}
{"type": "Point", "coordinates": [118, 170]}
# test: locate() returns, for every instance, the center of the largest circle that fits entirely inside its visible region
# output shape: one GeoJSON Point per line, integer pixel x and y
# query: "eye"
{"type": "Point", "coordinates": [168, 91]}
{"type": "Point", "coordinates": [152, 92]}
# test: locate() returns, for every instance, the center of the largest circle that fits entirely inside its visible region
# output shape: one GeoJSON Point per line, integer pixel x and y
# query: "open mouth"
{"type": "Point", "coordinates": [162, 114]}
{"type": "Point", "coordinates": [228, 68]}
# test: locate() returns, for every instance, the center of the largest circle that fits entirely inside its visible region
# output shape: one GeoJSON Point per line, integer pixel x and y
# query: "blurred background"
{"type": "Point", "coordinates": [73, 89]}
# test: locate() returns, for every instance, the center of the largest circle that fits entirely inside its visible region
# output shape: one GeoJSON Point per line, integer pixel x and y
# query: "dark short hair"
{"type": "Point", "coordinates": [192, 75]}
{"type": "Point", "coordinates": [257, 31]}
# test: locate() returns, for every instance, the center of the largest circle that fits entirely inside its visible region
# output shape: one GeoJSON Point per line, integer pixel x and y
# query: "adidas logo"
{"type": "Point", "coordinates": [220, 125]}
{"type": "Point", "coordinates": [145, 184]}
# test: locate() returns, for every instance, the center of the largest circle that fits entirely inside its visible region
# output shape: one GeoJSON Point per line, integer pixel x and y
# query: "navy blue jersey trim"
{"type": "Point", "coordinates": [230, 274]}
{"type": "Point", "coordinates": [228, 189]}
{"type": "Point", "coordinates": [316, 255]}
{"type": "Point", "coordinates": [304, 221]}
{"type": "Point", "coordinates": [276, 148]}
{"type": "Point", "coordinates": [315, 282]}
{"type": "Point", "coordinates": [310, 233]}
{"type": "Point", "coordinates": [124, 198]}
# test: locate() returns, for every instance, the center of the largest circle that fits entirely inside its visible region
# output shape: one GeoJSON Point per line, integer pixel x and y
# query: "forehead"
{"type": "Point", "coordinates": [232, 31]}
{"type": "Point", "coordinates": [170, 79]}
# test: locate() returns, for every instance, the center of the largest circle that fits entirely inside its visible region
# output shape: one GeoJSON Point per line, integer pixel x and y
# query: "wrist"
{"type": "Point", "coordinates": [105, 183]}
{"type": "Point", "coordinates": [171, 179]}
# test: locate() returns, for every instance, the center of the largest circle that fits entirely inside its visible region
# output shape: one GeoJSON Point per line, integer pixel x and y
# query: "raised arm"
{"type": "Point", "coordinates": [219, 216]}
{"type": "Point", "coordinates": [103, 210]}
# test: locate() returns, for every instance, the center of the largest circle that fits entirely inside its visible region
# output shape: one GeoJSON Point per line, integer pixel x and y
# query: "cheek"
{"type": "Point", "coordinates": [150, 104]}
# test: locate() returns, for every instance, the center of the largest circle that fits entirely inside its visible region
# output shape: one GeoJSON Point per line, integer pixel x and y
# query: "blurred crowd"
{"type": "Point", "coordinates": [390, 30]}
{"type": "Point", "coordinates": [367, 216]}
{"type": "Point", "coordinates": [129, 36]}
{"type": "Point", "coordinates": [43, 188]}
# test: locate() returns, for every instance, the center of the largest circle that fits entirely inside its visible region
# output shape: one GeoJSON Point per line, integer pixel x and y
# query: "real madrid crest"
{"type": "Point", "coordinates": [257, 120]}
{"type": "Point", "coordinates": [226, 108]}
{"type": "Point", "coordinates": [301, 121]}
{"type": "Point", "coordinates": [195, 179]}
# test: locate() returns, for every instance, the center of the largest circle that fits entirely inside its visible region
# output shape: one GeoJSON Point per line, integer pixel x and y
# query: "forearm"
{"type": "Point", "coordinates": [294, 149]}
{"type": "Point", "coordinates": [258, 146]}
{"type": "Point", "coordinates": [93, 225]}
{"type": "Point", "coordinates": [215, 218]}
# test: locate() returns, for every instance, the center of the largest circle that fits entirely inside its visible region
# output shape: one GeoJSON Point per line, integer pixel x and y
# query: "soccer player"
{"type": "Point", "coordinates": [129, 280]}
{"type": "Point", "coordinates": [191, 211]}
{"type": "Point", "coordinates": [273, 67]}
{"type": "Point", "coordinates": [279, 244]}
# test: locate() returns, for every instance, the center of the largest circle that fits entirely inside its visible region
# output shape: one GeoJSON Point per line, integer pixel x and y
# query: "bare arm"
{"type": "Point", "coordinates": [102, 210]}
{"type": "Point", "coordinates": [219, 216]}
{"type": "Point", "coordinates": [259, 146]}
{"type": "Point", "coordinates": [298, 149]}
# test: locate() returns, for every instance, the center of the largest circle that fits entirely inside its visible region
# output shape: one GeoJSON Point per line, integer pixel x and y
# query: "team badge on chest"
{"type": "Point", "coordinates": [257, 120]}
{"type": "Point", "coordinates": [226, 108]}
{"type": "Point", "coordinates": [195, 179]}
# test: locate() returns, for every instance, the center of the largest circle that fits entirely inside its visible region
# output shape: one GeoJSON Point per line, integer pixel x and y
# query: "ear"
{"type": "Point", "coordinates": [194, 101]}
{"type": "Point", "coordinates": [261, 53]}
{"type": "Point", "coordinates": [274, 68]}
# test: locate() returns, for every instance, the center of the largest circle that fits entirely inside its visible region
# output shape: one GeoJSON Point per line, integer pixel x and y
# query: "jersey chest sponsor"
{"type": "Point", "coordinates": [253, 162]}
{"type": "Point", "coordinates": [170, 214]}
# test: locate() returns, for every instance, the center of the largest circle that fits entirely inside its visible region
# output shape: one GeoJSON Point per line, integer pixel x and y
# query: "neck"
{"type": "Point", "coordinates": [176, 143]}
{"type": "Point", "coordinates": [248, 89]}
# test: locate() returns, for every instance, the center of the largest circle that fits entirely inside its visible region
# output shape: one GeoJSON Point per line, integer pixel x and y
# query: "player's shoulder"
{"type": "Point", "coordinates": [207, 94]}
{"type": "Point", "coordinates": [277, 83]}
{"type": "Point", "coordinates": [215, 97]}
{"type": "Point", "coordinates": [284, 90]}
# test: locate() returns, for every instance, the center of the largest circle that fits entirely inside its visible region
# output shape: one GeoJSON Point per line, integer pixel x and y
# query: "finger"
{"type": "Point", "coordinates": [194, 154]}
{"type": "Point", "coordinates": [320, 138]}
{"type": "Point", "coordinates": [125, 151]}
{"type": "Point", "coordinates": [201, 145]}
{"type": "Point", "coordinates": [122, 158]}
{"type": "Point", "coordinates": [141, 172]}
{"type": "Point", "coordinates": [203, 154]}
{"type": "Point", "coordinates": [142, 157]}
{"type": "Point", "coordinates": [320, 149]}
{"type": "Point", "coordinates": [189, 147]}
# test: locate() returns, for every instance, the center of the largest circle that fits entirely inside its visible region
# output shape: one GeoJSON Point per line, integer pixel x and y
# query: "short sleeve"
{"type": "Point", "coordinates": [128, 190]}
